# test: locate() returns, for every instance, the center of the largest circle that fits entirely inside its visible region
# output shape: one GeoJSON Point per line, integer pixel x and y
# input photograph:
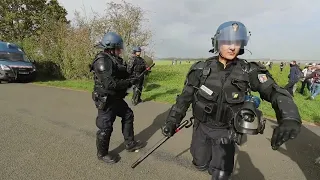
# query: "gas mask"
{"type": "Point", "coordinates": [249, 119]}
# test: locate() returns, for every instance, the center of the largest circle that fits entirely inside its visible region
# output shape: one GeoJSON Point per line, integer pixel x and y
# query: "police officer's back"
{"type": "Point", "coordinates": [218, 89]}
{"type": "Point", "coordinates": [136, 66]}
{"type": "Point", "coordinates": [111, 81]}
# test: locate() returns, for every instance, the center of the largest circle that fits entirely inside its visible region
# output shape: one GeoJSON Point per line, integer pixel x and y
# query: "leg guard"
{"type": "Point", "coordinates": [200, 148]}
{"type": "Point", "coordinates": [223, 152]}
{"type": "Point", "coordinates": [103, 141]}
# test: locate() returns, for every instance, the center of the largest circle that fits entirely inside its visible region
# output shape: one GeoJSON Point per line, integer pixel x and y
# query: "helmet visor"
{"type": "Point", "coordinates": [233, 35]}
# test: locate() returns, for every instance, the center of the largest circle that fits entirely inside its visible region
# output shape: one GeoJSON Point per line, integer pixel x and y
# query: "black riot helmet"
{"type": "Point", "coordinates": [111, 40]}
{"type": "Point", "coordinates": [231, 32]}
{"type": "Point", "coordinates": [136, 49]}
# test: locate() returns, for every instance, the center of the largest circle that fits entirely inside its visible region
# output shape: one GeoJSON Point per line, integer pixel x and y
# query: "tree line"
{"type": "Point", "coordinates": [63, 48]}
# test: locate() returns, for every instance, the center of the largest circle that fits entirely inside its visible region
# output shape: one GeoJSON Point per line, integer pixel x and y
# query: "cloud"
{"type": "Point", "coordinates": [183, 28]}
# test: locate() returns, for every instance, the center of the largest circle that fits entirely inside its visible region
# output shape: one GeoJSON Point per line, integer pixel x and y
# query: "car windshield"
{"type": "Point", "coordinates": [13, 56]}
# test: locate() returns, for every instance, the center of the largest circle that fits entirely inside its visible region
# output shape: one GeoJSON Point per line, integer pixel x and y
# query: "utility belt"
{"type": "Point", "coordinates": [233, 136]}
{"type": "Point", "coordinates": [100, 101]}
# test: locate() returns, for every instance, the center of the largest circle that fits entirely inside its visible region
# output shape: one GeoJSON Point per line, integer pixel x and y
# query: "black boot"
{"type": "Point", "coordinates": [200, 168]}
{"type": "Point", "coordinates": [103, 140]}
{"type": "Point", "coordinates": [134, 145]}
{"type": "Point", "coordinates": [139, 100]}
{"type": "Point", "coordinates": [134, 98]}
{"type": "Point", "coordinates": [139, 93]}
{"type": "Point", "coordinates": [219, 175]}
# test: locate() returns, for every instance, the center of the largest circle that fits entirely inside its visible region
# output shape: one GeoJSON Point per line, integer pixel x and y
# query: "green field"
{"type": "Point", "coordinates": [166, 82]}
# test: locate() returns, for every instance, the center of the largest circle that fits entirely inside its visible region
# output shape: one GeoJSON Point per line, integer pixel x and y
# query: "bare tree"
{"type": "Point", "coordinates": [123, 18]}
{"type": "Point", "coordinates": [71, 46]}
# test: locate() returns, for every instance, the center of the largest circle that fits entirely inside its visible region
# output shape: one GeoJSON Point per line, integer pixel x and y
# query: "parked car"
{"type": "Point", "coordinates": [14, 64]}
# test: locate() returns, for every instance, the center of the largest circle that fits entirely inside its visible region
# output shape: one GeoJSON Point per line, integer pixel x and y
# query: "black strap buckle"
{"type": "Point", "coordinates": [208, 109]}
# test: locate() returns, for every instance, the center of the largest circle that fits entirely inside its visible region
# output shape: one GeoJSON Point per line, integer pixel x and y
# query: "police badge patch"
{"type": "Point", "coordinates": [262, 78]}
{"type": "Point", "coordinates": [235, 26]}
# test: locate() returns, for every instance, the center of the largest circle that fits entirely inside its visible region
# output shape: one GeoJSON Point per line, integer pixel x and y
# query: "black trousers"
{"type": "Point", "coordinates": [107, 116]}
{"type": "Point", "coordinates": [304, 83]}
{"type": "Point", "coordinates": [289, 87]}
{"type": "Point", "coordinates": [207, 153]}
{"type": "Point", "coordinates": [137, 90]}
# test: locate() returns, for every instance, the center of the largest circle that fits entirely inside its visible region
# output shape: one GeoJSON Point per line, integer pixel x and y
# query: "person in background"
{"type": "Point", "coordinates": [135, 67]}
{"type": "Point", "coordinates": [293, 77]}
{"type": "Point", "coordinates": [315, 90]}
{"type": "Point", "coordinates": [270, 65]}
{"type": "Point", "coordinates": [306, 72]}
{"type": "Point", "coordinates": [281, 66]}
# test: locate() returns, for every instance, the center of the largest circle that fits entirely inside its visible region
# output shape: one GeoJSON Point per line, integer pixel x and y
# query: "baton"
{"type": "Point", "coordinates": [185, 124]}
{"type": "Point", "coordinates": [146, 70]}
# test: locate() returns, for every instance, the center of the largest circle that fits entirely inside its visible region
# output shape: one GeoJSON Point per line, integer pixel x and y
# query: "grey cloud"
{"type": "Point", "coordinates": [184, 27]}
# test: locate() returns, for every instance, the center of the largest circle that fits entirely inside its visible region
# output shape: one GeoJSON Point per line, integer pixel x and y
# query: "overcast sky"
{"type": "Point", "coordinates": [281, 29]}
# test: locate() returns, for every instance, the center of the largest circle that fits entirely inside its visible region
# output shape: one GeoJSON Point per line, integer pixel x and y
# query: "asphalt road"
{"type": "Point", "coordinates": [49, 133]}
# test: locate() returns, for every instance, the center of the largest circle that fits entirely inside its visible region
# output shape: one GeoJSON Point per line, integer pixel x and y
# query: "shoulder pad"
{"type": "Point", "coordinates": [256, 66]}
{"type": "Point", "coordinates": [199, 65]}
{"type": "Point", "coordinates": [98, 56]}
{"type": "Point", "coordinates": [100, 64]}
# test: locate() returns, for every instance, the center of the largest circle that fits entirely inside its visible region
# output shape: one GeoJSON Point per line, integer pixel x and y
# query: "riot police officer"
{"type": "Point", "coordinates": [110, 87]}
{"type": "Point", "coordinates": [136, 66]}
{"type": "Point", "coordinates": [217, 89]}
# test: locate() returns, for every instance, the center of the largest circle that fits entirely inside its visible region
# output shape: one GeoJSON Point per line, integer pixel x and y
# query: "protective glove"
{"type": "Point", "coordinates": [286, 130]}
{"type": "Point", "coordinates": [169, 129]}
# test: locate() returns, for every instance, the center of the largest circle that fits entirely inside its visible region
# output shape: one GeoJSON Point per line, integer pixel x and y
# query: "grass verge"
{"type": "Point", "coordinates": [166, 82]}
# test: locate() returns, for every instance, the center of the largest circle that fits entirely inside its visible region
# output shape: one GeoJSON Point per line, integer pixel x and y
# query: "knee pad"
{"type": "Point", "coordinates": [105, 122]}
{"type": "Point", "coordinates": [103, 134]}
{"type": "Point", "coordinates": [219, 174]}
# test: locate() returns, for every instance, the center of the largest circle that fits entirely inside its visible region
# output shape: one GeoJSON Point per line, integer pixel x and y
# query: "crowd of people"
{"type": "Point", "coordinates": [309, 77]}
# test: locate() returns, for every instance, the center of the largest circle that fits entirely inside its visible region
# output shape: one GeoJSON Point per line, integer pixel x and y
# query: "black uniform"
{"type": "Point", "coordinates": [110, 87]}
{"type": "Point", "coordinates": [213, 140]}
{"type": "Point", "coordinates": [135, 67]}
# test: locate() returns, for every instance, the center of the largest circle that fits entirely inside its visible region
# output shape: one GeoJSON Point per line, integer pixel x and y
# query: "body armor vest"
{"type": "Point", "coordinates": [220, 96]}
{"type": "Point", "coordinates": [140, 65]}
{"type": "Point", "coordinates": [119, 71]}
